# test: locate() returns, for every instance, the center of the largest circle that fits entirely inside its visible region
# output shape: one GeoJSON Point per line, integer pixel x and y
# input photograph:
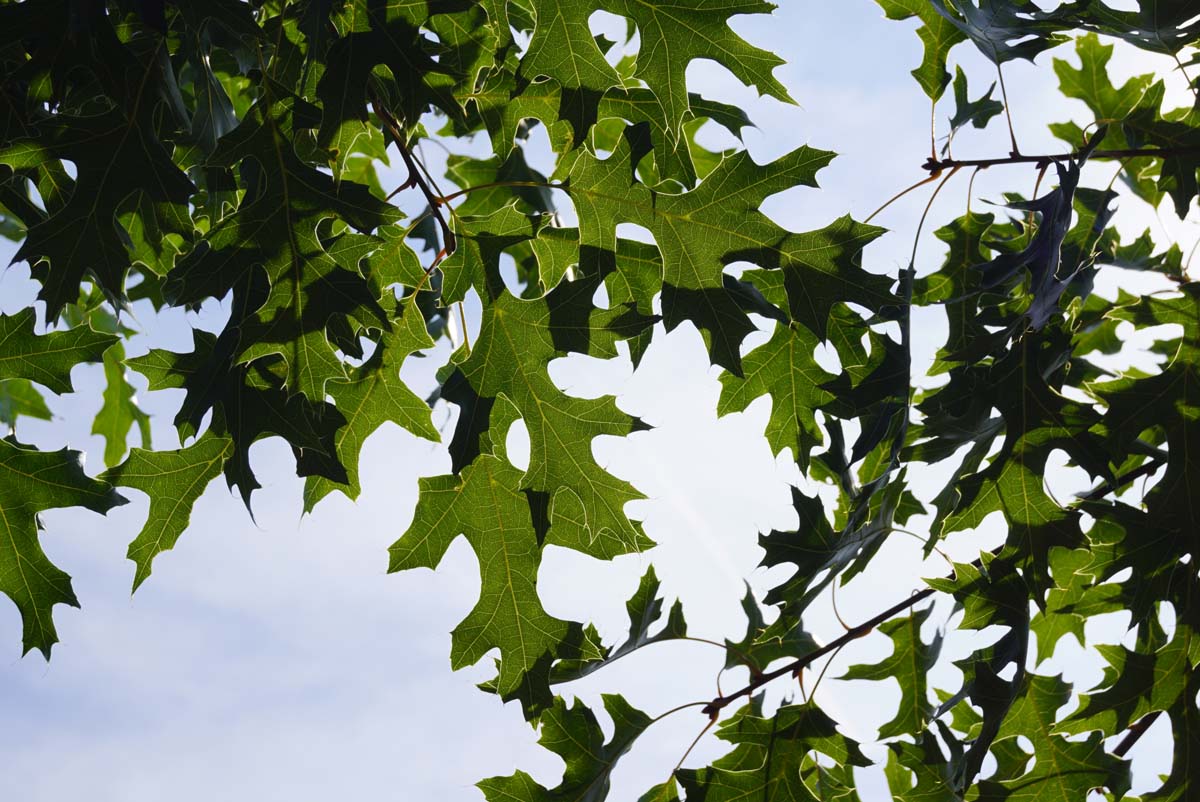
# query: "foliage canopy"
{"type": "Point", "coordinates": [165, 155]}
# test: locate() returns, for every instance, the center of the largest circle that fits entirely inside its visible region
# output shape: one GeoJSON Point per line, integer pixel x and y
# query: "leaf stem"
{"type": "Point", "coordinates": [933, 131]}
{"type": "Point", "coordinates": [692, 746]}
{"type": "Point", "coordinates": [971, 189]}
{"type": "Point", "coordinates": [1191, 255]}
{"type": "Point", "coordinates": [462, 320]}
{"type": "Point", "coordinates": [1036, 186]}
{"type": "Point", "coordinates": [833, 601]}
{"type": "Point", "coordinates": [912, 261]}
{"type": "Point", "coordinates": [900, 195]}
{"type": "Point", "coordinates": [444, 199]}
{"type": "Point", "coordinates": [675, 709]}
{"type": "Point", "coordinates": [813, 693]}
{"type": "Point", "coordinates": [727, 647]}
{"type": "Point", "coordinates": [1016, 151]}
{"type": "Point", "coordinates": [1183, 71]}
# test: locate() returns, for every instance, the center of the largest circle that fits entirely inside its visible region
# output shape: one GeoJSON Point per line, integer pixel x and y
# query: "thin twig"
{"type": "Point", "coordinates": [444, 199]}
{"type": "Point", "coordinates": [924, 540]}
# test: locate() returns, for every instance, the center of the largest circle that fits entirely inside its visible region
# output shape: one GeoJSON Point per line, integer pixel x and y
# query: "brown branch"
{"type": "Point", "coordinates": [1145, 469]}
{"type": "Point", "coordinates": [415, 179]}
{"type": "Point", "coordinates": [713, 708]}
{"type": "Point", "coordinates": [937, 165]}
{"type": "Point", "coordinates": [1136, 732]}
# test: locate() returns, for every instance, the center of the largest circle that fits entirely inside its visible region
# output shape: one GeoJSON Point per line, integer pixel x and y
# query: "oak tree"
{"type": "Point", "coordinates": [159, 155]}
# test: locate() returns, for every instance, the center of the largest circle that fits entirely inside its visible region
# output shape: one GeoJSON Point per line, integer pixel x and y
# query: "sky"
{"type": "Point", "coordinates": [275, 659]}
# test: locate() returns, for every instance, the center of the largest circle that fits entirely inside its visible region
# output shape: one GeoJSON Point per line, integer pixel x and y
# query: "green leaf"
{"type": "Point", "coordinates": [673, 153]}
{"type": "Point", "coordinates": [114, 158]}
{"type": "Point", "coordinates": [1113, 106]}
{"type": "Point", "coordinates": [372, 396]}
{"type": "Point", "coordinates": [1135, 684]}
{"type": "Point", "coordinates": [517, 339]}
{"type": "Point", "coordinates": [919, 772]}
{"type": "Point", "coordinates": [1160, 26]}
{"type": "Point", "coordinates": [1043, 256]}
{"type": "Point", "coordinates": [1076, 596]}
{"type": "Point", "coordinates": [1181, 783]}
{"type": "Point", "coordinates": [909, 664]}
{"type": "Point", "coordinates": [1091, 83]}
{"type": "Point", "coordinates": [1064, 770]}
{"type": "Point", "coordinates": [119, 412]}
{"type": "Point", "coordinates": [47, 358]}
{"type": "Point", "coordinates": [19, 397]}
{"type": "Point", "coordinates": [276, 232]}
{"type": "Point", "coordinates": [785, 369]}
{"type": "Point", "coordinates": [672, 36]}
{"type": "Point", "coordinates": [246, 405]}
{"type": "Point", "coordinates": [485, 505]}
{"type": "Point", "coordinates": [563, 48]}
{"type": "Point", "coordinates": [937, 33]}
{"type": "Point", "coordinates": [32, 482]}
{"type": "Point", "coordinates": [774, 758]}
{"type": "Point", "coordinates": [644, 608]}
{"type": "Point", "coordinates": [701, 231]}
{"type": "Point", "coordinates": [971, 112]}
{"type": "Point", "coordinates": [1167, 404]}
{"type": "Point", "coordinates": [1003, 30]}
{"type": "Point", "coordinates": [574, 734]}
{"type": "Point", "coordinates": [373, 35]}
{"type": "Point", "coordinates": [482, 243]}
{"type": "Point", "coordinates": [763, 643]}
{"type": "Point", "coordinates": [173, 480]}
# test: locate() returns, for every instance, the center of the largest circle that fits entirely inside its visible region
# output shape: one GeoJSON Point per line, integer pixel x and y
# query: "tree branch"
{"type": "Point", "coordinates": [1135, 732]}
{"type": "Point", "coordinates": [1145, 469]}
{"type": "Point", "coordinates": [935, 166]}
{"type": "Point", "coordinates": [415, 179]}
{"type": "Point", "coordinates": [713, 708]}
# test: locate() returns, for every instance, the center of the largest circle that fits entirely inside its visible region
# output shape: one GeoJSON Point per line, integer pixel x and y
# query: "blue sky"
{"type": "Point", "coordinates": [276, 660]}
